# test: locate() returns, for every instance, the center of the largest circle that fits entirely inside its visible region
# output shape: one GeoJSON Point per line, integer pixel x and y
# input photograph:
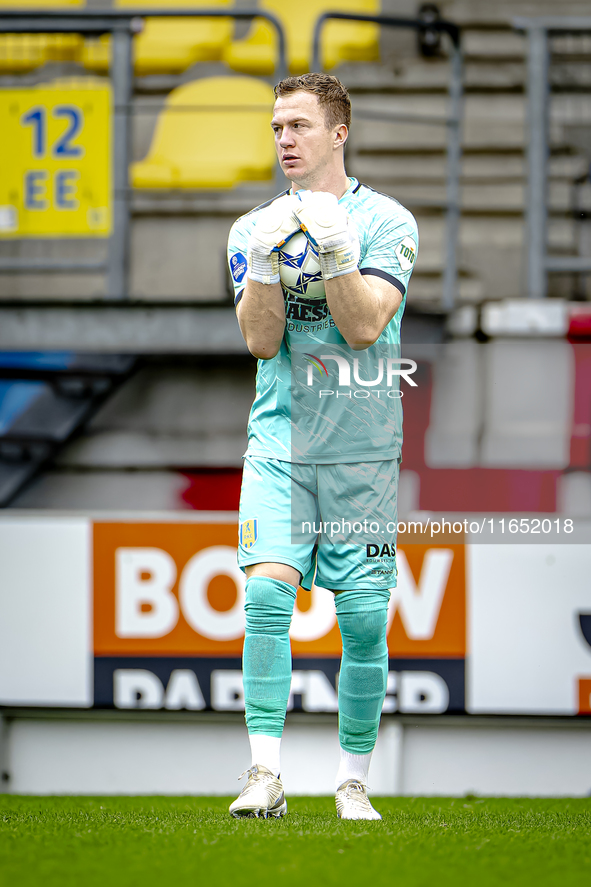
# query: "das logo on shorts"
{"type": "Point", "coordinates": [249, 531]}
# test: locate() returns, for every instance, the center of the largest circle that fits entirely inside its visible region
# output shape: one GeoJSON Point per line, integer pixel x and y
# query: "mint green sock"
{"type": "Point", "coordinates": [266, 661]}
{"type": "Point", "coordinates": [363, 620]}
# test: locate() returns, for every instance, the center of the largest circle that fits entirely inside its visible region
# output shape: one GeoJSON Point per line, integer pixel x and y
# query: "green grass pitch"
{"type": "Point", "coordinates": [179, 842]}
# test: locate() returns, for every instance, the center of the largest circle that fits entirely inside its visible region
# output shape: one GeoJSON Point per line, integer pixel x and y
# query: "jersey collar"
{"type": "Point", "coordinates": [354, 183]}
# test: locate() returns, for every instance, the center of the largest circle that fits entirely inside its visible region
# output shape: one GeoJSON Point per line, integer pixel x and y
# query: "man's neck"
{"type": "Point", "coordinates": [338, 185]}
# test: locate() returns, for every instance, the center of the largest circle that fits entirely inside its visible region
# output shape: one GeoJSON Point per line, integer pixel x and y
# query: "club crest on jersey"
{"type": "Point", "coordinates": [407, 253]}
{"type": "Point", "coordinates": [249, 532]}
{"type": "Point", "coordinates": [238, 267]}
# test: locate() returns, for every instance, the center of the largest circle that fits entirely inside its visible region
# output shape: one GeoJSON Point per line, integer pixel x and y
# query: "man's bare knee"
{"type": "Point", "coordinates": [281, 572]}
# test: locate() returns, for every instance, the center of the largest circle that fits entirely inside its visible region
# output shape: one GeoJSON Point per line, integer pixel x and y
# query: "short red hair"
{"type": "Point", "coordinates": [332, 96]}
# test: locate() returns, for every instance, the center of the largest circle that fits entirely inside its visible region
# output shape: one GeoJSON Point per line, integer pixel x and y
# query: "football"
{"type": "Point", "coordinates": [299, 268]}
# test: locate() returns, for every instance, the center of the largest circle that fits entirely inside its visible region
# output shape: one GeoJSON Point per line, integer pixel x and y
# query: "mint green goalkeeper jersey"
{"type": "Point", "coordinates": [318, 400]}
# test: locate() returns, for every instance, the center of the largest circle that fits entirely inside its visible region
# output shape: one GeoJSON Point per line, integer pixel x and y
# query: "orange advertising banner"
{"type": "Point", "coordinates": [174, 589]}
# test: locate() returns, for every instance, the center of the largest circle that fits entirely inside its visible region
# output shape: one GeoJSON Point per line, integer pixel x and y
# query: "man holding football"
{"type": "Point", "coordinates": [322, 267]}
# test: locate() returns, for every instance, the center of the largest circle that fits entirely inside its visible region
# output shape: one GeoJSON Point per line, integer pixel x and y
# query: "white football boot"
{"type": "Point", "coordinates": [262, 796]}
{"type": "Point", "coordinates": [352, 801]}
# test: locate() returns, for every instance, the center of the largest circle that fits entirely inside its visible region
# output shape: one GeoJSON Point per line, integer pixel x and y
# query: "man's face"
{"type": "Point", "coordinates": [305, 146]}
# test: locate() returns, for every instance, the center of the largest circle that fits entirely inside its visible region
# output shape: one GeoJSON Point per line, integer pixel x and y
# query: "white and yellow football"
{"type": "Point", "coordinates": [299, 268]}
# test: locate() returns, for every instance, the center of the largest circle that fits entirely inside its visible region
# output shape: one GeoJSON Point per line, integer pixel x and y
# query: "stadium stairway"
{"type": "Point", "coordinates": [45, 399]}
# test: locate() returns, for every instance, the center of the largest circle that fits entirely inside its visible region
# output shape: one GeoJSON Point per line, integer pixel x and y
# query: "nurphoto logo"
{"type": "Point", "coordinates": [388, 370]}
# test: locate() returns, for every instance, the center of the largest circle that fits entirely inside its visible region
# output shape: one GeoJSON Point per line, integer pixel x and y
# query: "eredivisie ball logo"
{"type": "Point", "coordinates": [299, 268]}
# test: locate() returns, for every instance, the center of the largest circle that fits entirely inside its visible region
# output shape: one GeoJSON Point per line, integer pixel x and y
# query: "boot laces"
{"type": "Point", "coordinates": [357, 793]}
{"type": "Point", "coordinates": [255, 775]}
{"type": "Point", "coordinates": [252, 773]}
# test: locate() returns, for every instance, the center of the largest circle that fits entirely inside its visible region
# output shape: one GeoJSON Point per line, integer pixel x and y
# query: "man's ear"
{"type": "Point", "coordinates": [341, 135]}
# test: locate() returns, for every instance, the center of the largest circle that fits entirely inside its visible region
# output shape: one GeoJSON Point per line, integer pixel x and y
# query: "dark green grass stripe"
{"type": "Point", "coordinates": [436, 842]}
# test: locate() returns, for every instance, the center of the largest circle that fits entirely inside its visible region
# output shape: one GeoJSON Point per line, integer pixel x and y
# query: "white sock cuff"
{"type": "Point", "coordinates": [266, 750]}
{"type": "Point", "coordinates": [353, 767]}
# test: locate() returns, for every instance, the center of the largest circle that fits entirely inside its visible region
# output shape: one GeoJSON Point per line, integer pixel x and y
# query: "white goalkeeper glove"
{"type": "Point", "coordinates": [328, 226]}
{"type": "Point", "coordinates": [274, 225]}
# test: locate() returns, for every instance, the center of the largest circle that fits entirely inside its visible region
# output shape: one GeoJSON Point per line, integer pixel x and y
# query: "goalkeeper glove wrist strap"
{"type": "Point", "coordinates": [338, 262]}
{"type": "Point", "coordinates": [263, 268]}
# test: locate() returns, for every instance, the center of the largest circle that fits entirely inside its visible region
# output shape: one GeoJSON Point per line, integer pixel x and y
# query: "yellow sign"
{"type": "Point", "coordinates": [55, 160]}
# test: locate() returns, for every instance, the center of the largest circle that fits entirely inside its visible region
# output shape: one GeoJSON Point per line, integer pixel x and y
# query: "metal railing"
{"type": "Point", "coordinates": [122, 25]}
{"type": "Point", "coordinates": [539, 263]}
{"type": "Point", "coordinates": [453, 122]}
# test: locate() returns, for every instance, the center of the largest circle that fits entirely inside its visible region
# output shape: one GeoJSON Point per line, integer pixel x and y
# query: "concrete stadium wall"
{"type": "Point", "coordinates": [204, 755]}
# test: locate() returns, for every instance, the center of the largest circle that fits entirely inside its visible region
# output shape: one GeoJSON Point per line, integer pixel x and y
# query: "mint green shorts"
{"type": "Point", "coordinates": [335, 524]}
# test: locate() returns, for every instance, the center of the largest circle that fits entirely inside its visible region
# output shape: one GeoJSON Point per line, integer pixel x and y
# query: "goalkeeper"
{"type": "Point", "coordinates": [322, 267]}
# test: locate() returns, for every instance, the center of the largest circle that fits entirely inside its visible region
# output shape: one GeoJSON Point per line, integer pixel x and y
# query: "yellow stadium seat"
{"type": "Point", "coordinates": [39, 4]}
{"type": "Point", "coordinates": [340, 41]}
{"type": "Point", "coordinates": [24, 52]}
{"type": "Point", "coordinates": [169, 45]}
{"type": "Point", "coordinates": [223, 141]}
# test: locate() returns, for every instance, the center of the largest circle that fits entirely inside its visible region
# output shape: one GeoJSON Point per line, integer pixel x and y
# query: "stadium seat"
{"type": "Point", "coordinates": [224, 141]}
{"type": "Point", "coordinates": [340, 41]}
{"type": "Point", "coordinates": [24, 52]}
{"type": "Point", "coordinates": [167, 46]}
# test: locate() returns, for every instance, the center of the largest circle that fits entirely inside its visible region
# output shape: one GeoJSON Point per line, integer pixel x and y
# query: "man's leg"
{"type": "Point", "coordinates": [360, 495]}
{"type": "Point", "coordinates": [273, 564]}
{"type": "Point", "coordinates": [363, 618]}
{"type": "Point", "coordinates": [270, 598]}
